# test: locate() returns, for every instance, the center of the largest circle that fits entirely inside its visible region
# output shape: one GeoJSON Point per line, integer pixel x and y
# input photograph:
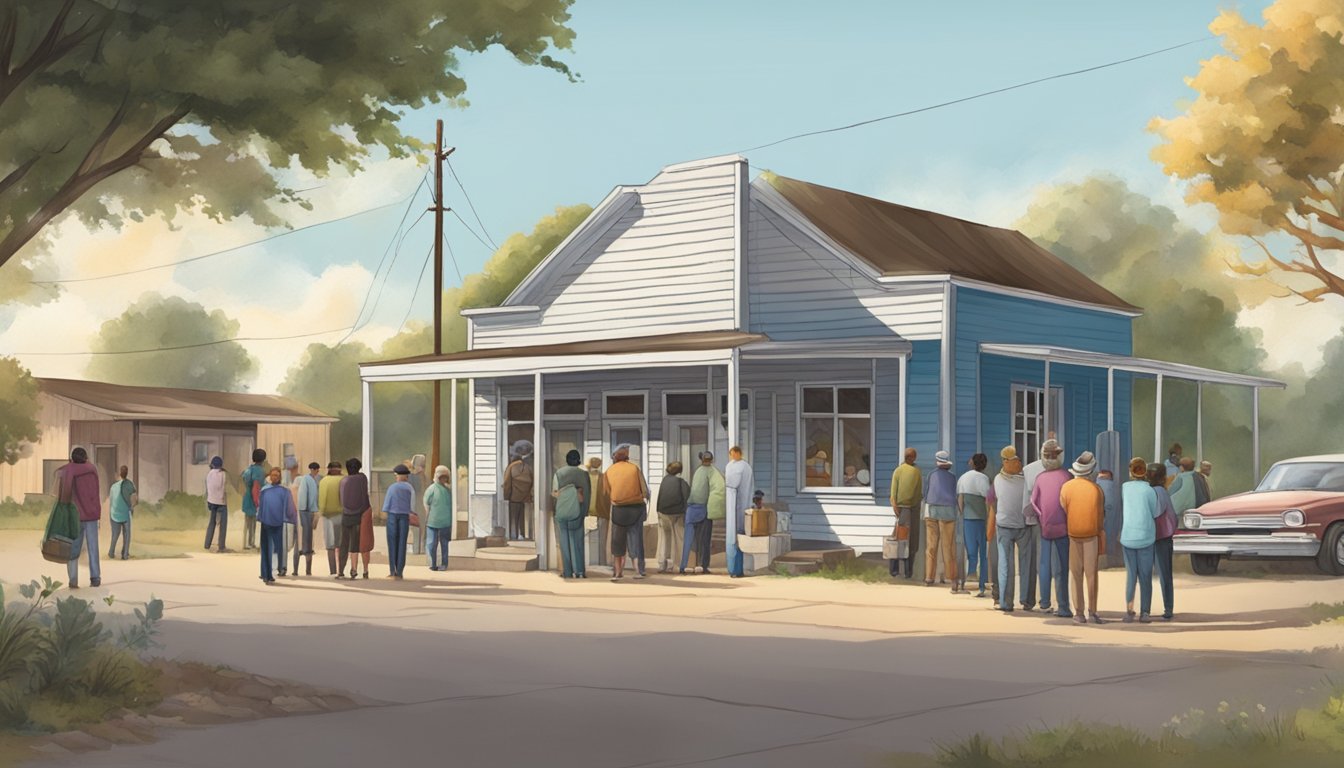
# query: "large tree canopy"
{"type": "Point", "coordinates": [18, 410]}
{"type": "Point", "coordinates": [128, 109]}
{"type": "Point", "coordinates": [1263, 141]}
{"type": "Point", "coordinates": [183, 336]}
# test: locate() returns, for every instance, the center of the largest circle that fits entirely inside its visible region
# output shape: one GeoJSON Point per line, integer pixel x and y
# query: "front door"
{"type": "Point", "coordinates": [687, 439]}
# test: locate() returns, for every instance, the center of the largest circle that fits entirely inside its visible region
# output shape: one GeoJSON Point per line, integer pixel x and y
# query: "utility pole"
{"type": "Point", "coordinates": [439, 156]}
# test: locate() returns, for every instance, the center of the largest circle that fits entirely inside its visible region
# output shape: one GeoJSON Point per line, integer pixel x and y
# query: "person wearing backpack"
{"type": "Point", "coordinates": [571, 490]}
{"type": "Point", "coordinates": [121, 499]}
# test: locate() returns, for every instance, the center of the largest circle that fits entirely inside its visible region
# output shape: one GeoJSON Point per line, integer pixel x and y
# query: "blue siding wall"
{"type": "Point", "coordinates": [981, 316]}
{"type": "Point", "coordinates": [922, 414]}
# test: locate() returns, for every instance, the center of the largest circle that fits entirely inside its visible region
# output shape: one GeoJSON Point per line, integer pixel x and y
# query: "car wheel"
{"type": "Point", "coordinates": [1204, 565]}
{"type": "Point", "coordinates": [1331, 557]}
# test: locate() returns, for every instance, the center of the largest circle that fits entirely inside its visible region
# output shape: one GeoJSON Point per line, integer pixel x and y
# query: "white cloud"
{"type": "Point", "coordinates": [1295, 333]}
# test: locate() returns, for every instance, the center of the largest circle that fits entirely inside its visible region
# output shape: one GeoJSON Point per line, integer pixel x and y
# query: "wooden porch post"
{"type": "Point", "coordinates": [452, 456]}
{"type": "Point", "coordinates": [734, 414]}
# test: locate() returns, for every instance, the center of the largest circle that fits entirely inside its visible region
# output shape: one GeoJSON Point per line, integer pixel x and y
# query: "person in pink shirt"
{"type": "Point", "coordinates": [1054, 563]}
{"type": "Point", "coordinates": [79, 483]}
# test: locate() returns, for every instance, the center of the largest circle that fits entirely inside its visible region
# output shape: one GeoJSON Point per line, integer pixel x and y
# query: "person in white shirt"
{"type": "Point", "coordinates": [1007, 502]}
{"type": "Point", "coordinates": [972, 492]}
{"type": "Point", "coordinates": [740, 483]}
{"type": "Point", "coordinates": [216, 503]}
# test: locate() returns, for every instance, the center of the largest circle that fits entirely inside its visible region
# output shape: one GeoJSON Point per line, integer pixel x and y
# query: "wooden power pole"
{"type": "Point", "coordinates": [439, 156]}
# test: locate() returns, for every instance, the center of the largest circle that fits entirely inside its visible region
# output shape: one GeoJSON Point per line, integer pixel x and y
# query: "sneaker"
{"type": "Point", "coordinates": [74, 585]}
{"type": "Point", "coordinates": [95, 582]}
{"type": "Point", "coordinates": [617, 578]}
{"type": "Point", "coordinates": [1097, 619]}
{"type": "Point", "coordinates": [1166, 617]}
{"type": "Point", "coordinates": [1145, 619]}
{"type": "Point", "coordinates": [1064, 614]}
{"type": "Point", "coordinates": [341, 576]}
{"type": "Point", "coordinates": [1129, 617]}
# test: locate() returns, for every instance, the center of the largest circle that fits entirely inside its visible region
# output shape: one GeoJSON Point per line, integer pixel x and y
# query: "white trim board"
{"type": "Point", "coordinates": [1139, 365]}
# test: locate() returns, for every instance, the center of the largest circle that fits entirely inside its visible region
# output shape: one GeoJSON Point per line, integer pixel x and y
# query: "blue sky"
{"type": "Point", "coordinates": [667, 82]}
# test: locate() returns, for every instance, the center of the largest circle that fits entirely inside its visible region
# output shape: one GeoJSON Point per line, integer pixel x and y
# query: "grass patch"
{"type": "Point", "coordinates": [849, 570]}
{"type": "Point", "coordinates": [1230, 737]}
{"type": "Point", "coordinates": [1326, 613]}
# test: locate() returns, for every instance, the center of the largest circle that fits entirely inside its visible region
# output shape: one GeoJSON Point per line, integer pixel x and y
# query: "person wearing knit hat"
{"type": "Point", "coordinates": [1084, 509]}
{"type": "Point", "coordinates": [1138, 534]}
{"type": "Point", "coordinates": [940, 527]}
{"type": "Point", "coordinates": [216, 503]}
{"type": "Point", "coordinates": [438, 501]}
{"type": "Point", "coordinates": [1054, 554]}
{"type": "Point", "coordinates": [1006, 503]}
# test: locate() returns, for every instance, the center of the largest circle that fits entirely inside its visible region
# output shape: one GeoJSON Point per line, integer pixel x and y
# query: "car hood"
{"type": "Point", "coordinates": [1268, 502]}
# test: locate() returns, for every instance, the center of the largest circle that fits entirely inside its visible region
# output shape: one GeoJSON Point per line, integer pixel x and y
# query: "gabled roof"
{"type": "Point", "coordinates": [164, 404]}
{"type": "Point", "coordinates": [900, 241]}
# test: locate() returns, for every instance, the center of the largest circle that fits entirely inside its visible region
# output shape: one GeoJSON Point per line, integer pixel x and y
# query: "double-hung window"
{"type": "Point", "coordinates": [837, 436]}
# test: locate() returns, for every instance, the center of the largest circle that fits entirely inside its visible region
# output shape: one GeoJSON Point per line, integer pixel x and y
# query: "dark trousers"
{"type": "Point", "coordinates": [304, 545]}
{"type": "Point", "coordinates": [518, 520]}
{"type": "Point", "coordinates": [634, 538]}
{"type": "Point", "coordinates": [272, 549]}
{"type": "Point", "coordinates": [249, 531]}
{"type": "Point", "coordinates": [1163, 556]}
{"type": "Point", "coordinates": [124, 529]}
{"type": "Point", "coordinates": [398, 530]}
{"type": "Point", "coordinates": [219, 514]}
{"type": "Point", "coordinates": [698, 535]}
{"type": "Point", "coordinates": [349, 544]}
{"type": "Point", "coordinates": [1054, 568]}
{"type": "Point", "coordinates": [438, 545]}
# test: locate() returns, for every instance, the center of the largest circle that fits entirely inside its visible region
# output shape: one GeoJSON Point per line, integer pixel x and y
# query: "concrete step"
{"type": "Point", "coordinates": [818, 557]}
{"type": "Point", "coordinates": [530, 545]}
{"type": "Point", "coordinates": [795, 568]}
{"type": "Point", "coordinates": [496, 559]}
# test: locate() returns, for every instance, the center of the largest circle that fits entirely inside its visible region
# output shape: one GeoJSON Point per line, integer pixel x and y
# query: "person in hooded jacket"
{"type": "Point", "coordinates": [79, 482]}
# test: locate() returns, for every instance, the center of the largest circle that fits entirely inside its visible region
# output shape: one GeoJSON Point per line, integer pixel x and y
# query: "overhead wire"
{"type": "Point", "coordinates": [471, 205]}
{"type": "Point", "coordinates": [189, 346]}
{"type": "Point", "coordinates": [411, 304]}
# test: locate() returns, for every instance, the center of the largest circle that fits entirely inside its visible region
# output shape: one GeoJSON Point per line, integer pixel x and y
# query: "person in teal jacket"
{"type": "Point", "coordinates": [438, 500]}
{"type": "Point", "coordinates": [254, 478]}
{"type": "Point", "coordinates": [1138, 534]}
{"type": "Point", "coordinates": [571, 489]}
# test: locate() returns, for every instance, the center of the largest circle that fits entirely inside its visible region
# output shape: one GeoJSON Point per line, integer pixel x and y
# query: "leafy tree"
{"type": "Point", "coordinates": [1140, 251]}
{"type": "Point", "coordinates": [154, 323]}
{"type": "Point", "coordinates": [126, 110]}
{"type": "Point", "coordinates": [18, 410]}
{"type": "Point", "coordinates": [1263, 141]}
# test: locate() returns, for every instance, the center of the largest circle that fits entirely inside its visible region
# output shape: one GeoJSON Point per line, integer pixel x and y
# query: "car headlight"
{"type": "Point", "coordinates": [1192, 520]}
{"type": "Point", "coordinates": [1293, 518]}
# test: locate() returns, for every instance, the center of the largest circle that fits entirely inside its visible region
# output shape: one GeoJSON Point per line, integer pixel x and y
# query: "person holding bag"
{"type": "Point", "coordinates": [81, 478]}
{"type": "Point", "coordinates": [62, 525]}
{"type": "Point", "coordinates": [570, 489]}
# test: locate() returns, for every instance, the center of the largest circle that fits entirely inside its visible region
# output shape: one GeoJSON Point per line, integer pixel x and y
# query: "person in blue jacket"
{"type": "Point", "coordinates": [275, 507]}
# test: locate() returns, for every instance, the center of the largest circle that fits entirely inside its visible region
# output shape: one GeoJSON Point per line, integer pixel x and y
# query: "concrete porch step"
{"type": "Point", "coordinates": [795, 568]}
{"type": "Point", "coordinates": [496, 559]}
{"type": "Point", "coordinates": [818, 557]}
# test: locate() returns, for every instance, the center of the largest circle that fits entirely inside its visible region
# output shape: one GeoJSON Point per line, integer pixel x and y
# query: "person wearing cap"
{"type": "Point", "coordinates": [570, 489]}
{"type": "Point", "coordinates": [1166, 524]}
{"type": "Point", "coordinates": [216, 503]}
{"type": "Point", "coordinates": [940, 527]}
{"type": "Point", "coordinates": [355, 502]}
{"type": "Point", "coordinates": [629, 493]}
{"type": "Point", "coordinates": [1138, 533]}
{"type": "Point", "coordinates": [738, 480]}
{"type": "Point", "coordinates": [254, 477]}
{"type": "Point", "coordinates": [673, 494]}
{"type": "Point", "coordinates": [706, 503]}
{"type": "Point", "coordinates": [907, 488]}
{"type": "Point", "coordinates": [1007, 503]}
{"type": "Point", "coordinates": [1054, 528]}
{"type": "Point", "coordinates": [275, 508]}
{"type": "Point", "coordinates": [1084, 507]}
{"type": "Point", "coordinates": [438, 501]}
{"type": "Point", "coordinates": [397, 505]}
{"type": "Point", "coordinates": [329, 507]}
{"type": "Point", "coordinates": [307, 504]}
{"type": "Point", "coordinates": [517, 489]}
{"type": "Point", "coordinates": [972, 492]}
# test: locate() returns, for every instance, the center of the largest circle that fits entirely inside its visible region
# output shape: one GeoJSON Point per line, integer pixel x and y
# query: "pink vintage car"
{"type": "Point", "coordinates": [1297, 511]}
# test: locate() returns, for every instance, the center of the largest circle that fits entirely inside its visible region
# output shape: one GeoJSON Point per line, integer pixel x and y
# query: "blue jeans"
{"type": "Point", "coordinates": [1055, 566]}
{"type": "Point", "coordinates": [1013, 555]}
{"type": "Point", "coordinates": [123, 530]}
{"type": "Point", "coordinates": [571, 547]}
{"type": "Point", "coordinates": [438, 543]}
{"type": "Point", "coordinates": [698, 536]}
{"type": "Point", "coordinates": [218, 514]}
{"type": "Point", "coordinates": [398, 529]}
{"type": "Point", "coordinates": [88, 535]}
{"type": "Point", "coordinates": [1139, 571]}
{"type": "Point", "coordinates": [977, 549]}
{"type": "Point", "coordinates": [733, 555]}
{"type": "Point", "coordinates": [272, 549]}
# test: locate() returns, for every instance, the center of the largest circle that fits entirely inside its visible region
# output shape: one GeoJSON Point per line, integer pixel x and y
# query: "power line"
{"type": "Point", "coordinates": [472, 231]}
{"type": "Point", "coordinates": [452, 256]}
{"type": "Point", "coordinates": [471, 205]}
{"type": "Point", "coordinates": [428, 255]}
{"type": "Point", "coordinates": [978, 95]}
{"type": "Point", "coordinates": [189, 346]}
{"type": "Point", "coordinates": [220, 252]}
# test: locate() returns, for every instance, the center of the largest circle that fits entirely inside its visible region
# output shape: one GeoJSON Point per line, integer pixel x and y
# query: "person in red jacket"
{"type": "Point", "coordinates": [79, 483]}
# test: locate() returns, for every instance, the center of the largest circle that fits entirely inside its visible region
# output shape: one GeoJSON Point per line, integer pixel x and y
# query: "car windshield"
{"type": "Point", "coordinates": [1305, 476]}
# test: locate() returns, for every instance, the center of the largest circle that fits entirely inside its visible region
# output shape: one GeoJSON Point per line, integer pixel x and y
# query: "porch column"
{"type": "Point", "coordinates": [1045, 417]}
{"type": "Point", "coordinates": [1255, 434]}
{"type": "Point", "coordinates": [903, 362]}
{"type": "Point", "coordinates": [709, 413]}
{"type": "Point", "coordinates": [540, 481]}
{"type": "Point", "coordinates": [1110, 399]}
{"type": "Point", "coordinates": [452, 456]}
{"type": "Point", "coordinates": [366, 426]}
{"type": "Point", "coordinates": [1199, 423]}
{"type": "Point", "coordinates": [734, 412]}
{"type": "Point", "coordinates": [1157, 422]}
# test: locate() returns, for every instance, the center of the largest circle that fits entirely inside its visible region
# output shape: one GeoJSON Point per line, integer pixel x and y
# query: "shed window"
{"type": "Point", "coordinates": [836, 425]}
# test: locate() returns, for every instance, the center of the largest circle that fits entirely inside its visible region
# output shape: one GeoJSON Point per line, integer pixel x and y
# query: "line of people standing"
{"type": "Point", "coordinates": [1031, 530]}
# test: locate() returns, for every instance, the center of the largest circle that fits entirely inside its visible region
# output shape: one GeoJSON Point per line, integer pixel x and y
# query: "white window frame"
{"type": "Point", "coordinates": [1055, 402]}
{"type": "Point", "coordinates": [800, 471]}
{"type": "Point", "coordinates": [627, 420]}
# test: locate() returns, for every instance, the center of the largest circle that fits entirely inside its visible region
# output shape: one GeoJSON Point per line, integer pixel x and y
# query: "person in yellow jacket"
{"type": "Point", "coordinates": [907, 490]}
{"type": "Point", "coordinates": [329, 506]}
{"type": "Point", "coordinates": [1084, 506]}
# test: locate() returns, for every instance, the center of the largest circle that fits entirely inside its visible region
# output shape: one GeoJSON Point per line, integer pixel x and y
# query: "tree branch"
{"type": "Point", "coordinates": [53, 47]}
{"type": "Point", "coordinates": [1327, 218]}
{"type": "Point", "coordinates": [95, 152]}
{"type": "Point", "coordinates": [81, 181]}
{"type": "Point", "coordinates": [1323, 242]}
{"type": "Point", "coordinates": [8, 36]}
{"type": "Point", "coordinates": [17, 174]}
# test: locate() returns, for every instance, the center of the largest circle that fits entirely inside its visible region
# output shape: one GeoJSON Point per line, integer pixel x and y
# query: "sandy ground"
{"type": "Point", "coordinates": [501, 669]}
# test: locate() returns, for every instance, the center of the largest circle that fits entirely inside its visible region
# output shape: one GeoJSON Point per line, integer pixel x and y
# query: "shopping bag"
{"type": "Point", "coordinates": [894, 548]}
{"type": "Point", "coordinates": [58, 540]}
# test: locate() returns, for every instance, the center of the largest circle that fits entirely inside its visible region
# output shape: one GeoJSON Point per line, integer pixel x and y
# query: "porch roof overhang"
{"type": "Point", "coordinates": [661, 351]}
{"type": "Point", "coordinates": [1139, 365]}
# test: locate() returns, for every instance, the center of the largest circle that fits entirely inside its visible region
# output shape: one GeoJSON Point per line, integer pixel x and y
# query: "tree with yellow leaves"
{"type": "Point", "coordinates": [1263, 142]}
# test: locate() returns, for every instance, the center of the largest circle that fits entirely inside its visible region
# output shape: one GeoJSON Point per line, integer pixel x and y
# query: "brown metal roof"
{"type": "Point", "coordinates": [897, 240]}
{"type": "Point", "coordinates": [164, 404]}
{"type": "Point", "coordinates": [672, 342]}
